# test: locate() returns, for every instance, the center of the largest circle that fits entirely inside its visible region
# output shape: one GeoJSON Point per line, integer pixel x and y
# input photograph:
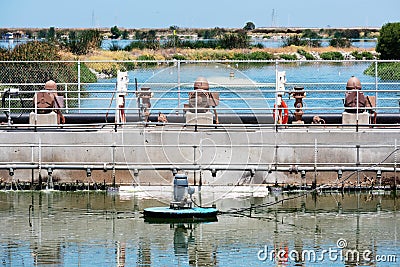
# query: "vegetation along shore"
{"type": "Point", "coordinates": [201, 44]}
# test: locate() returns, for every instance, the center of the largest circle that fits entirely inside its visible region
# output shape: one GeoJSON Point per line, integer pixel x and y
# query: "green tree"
{"type": "Point", "coordinates": [151, 40]}
{"type": "Point", "coordinates": [139, 35]}
{"type": "Point", "coordinates": [235, 40]}
{"type": "Point", "coordinates": [249, 26]}
{"type": "Point", "coordinates": [310, 34]}
{"type": "Point", "coordinates": [72, 35]}
{"type": "Point", "coordinates": [51, 34]}
{"type": "Point", "coordinates": [83, 42]}
{"type": "Point", "coordinates": [389, 41]}
{"type": "Point", "coordinates": [42, 34]}
{"type": "Point", "coordinates": [115, 32]}
{"type": "Point", "coordinates": [29, 33]}
{"type": "Point", "coordinates": [125, 34]}
{"type": "Point", "coordinates": [173, 28]}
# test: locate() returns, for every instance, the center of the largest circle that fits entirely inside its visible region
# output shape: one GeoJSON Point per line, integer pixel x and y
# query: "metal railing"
{"type": "Point", "coordinates": [245, 87]}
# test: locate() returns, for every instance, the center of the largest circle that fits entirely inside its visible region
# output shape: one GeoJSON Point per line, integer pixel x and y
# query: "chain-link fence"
{"type": "Point", "coordinates": [243, 86]}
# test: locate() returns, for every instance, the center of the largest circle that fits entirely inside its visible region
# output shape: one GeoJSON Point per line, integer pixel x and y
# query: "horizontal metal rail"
{"type": "Point", "coordinates": [196, 145]}
{"type": "Point", "coordinates": [183, 167]}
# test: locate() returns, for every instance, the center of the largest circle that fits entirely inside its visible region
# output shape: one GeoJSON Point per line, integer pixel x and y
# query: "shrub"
{"type": "Point", "coordinates": [340, 42]}
{"type": "Point", "coordinates": [235, 40]}
{"type": "Point", "coordinates": [296, 40]}
{"type": "Point", "coordinates": [258, 45]}
{"type": "Point", "coordinates": [386, 70]}
{"type": "Point", "coordinates": [367, 55]}
{"type": "Point", "coordinates": [357, 55]}
{"type": "Point", "coordinates": [135, 45]}
{"type": "Point", "coordinates": [331, 56]}
{"type": "Point", "coordinates": [40, 51]}
{"type": "Point", "coordinates": [288, 57]}
{"type": "Point", "coordinates": [178, 57]}
{"type": "Point", "coordinates": [304, 53]}
{"type": "Point", "coordinates": [40, 72]}
{"type": "Point", "coordinates": [114, 47]}
{"type": "Point", "coordinates": [258, 55]}
{"type": "Point", "coordinates": [364, 55]}
{"type": "Point", "coordinates": [145, 58]}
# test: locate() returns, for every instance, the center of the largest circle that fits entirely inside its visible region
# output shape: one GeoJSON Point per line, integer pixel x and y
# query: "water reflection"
{"type": "Point", "coordinates": [96, 228]}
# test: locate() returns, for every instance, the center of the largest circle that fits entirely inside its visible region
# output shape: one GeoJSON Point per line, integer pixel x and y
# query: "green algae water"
{"type": "Point", "coordinates": [107, 229]}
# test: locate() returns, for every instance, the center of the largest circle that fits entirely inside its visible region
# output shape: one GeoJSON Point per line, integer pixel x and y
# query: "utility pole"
{"type": "Point", "coordinates": [273, 18]}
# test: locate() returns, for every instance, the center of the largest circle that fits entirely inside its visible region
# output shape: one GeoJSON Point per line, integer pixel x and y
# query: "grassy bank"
{"type": "Point", "coordinates": [284, 53]}
{"type": "Point", "coordinates": [214, 54]}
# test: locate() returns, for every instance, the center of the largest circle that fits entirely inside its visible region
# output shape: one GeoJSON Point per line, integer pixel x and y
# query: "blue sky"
{"type": "Point", "coordinates": [197, 14]}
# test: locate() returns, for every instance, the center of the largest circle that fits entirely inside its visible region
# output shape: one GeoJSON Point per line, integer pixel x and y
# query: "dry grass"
{"type": "Point", "coordinates": [198, 54]}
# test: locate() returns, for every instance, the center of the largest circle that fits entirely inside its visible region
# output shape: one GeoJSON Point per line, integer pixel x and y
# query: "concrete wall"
{"type": "Point", "coordinates": [182, 147]}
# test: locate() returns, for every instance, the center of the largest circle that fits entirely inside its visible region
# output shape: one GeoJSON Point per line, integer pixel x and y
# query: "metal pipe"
{"type": "Point", "coordinates": [243, 119]}
{"type": "Point", "coordinates": [228, 167]}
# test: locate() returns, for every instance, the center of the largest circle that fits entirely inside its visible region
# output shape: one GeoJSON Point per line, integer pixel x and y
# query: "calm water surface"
{"type": "Point", "coordinates": [106, 44]}
{"type": "Point", "coordinates": [252, 88]}
{"type": "Point", "coordinates": [103, 229]}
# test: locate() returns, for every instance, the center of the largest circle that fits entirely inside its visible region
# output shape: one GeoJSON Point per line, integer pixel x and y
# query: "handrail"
{"type": "Point", "coordinates": [239, 96]}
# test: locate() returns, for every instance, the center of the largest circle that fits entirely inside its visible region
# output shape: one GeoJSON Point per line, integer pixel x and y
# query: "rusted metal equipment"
{"type": "Point", "coordinates": [144, 96]}
{"type": "Point", "coordinates": [370, 105]}
{"type": "Point", "coordinates": [201, 99]}
{"type": "Point", "coordinates": [48, 100]}
{"type": "Point", "coordinates": [298, 93]}
{"type": "Point", "coordinates": [356, 102]}
{"type": "Point", "coordinates": [162, 118]}
{"type": "Point", "coordinates": [354, 98]}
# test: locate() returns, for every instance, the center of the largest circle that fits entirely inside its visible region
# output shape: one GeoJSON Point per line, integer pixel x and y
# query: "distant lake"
{"type": "Point", "coordinates": [359, 43]}
{"type": "Point", "coordinates": [267, 43]}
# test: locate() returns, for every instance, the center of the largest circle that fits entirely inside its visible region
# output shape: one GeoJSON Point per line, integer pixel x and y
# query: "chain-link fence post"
{"type": "Point", "coordinates": [179, 85]}
{"type": "Point", "coordinates": [276, 97]}
{"type": "Point", "coordinates": [79, 86]}
{"type": "Point", "coordinates": [376, 84]}
{"type": "Point", "coordinates": [66, 98]}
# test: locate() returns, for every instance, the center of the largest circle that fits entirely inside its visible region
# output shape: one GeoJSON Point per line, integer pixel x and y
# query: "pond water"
{"type": "Point", "coordinates": [106, 44]}
{"type": "Point", "coordinates": [252, 87]}
{"type": "Point", "coordinates": [267, 43]}
{"type": "Point", "coordinates": [104, 229]}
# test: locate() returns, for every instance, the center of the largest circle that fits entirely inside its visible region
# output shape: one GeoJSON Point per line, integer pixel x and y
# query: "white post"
{"type": "Point", "coordinates": [280, 81]}
{"type": "Point", "coordinates": [276, 98]}
{"type": "Point", "coordinates": [122, 90]}
{"type": "Point", "coordinates": [179, 85]}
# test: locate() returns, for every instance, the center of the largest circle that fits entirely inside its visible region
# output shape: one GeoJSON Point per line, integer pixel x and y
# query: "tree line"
{"type": "Point", "coordinates": [82, 42]}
